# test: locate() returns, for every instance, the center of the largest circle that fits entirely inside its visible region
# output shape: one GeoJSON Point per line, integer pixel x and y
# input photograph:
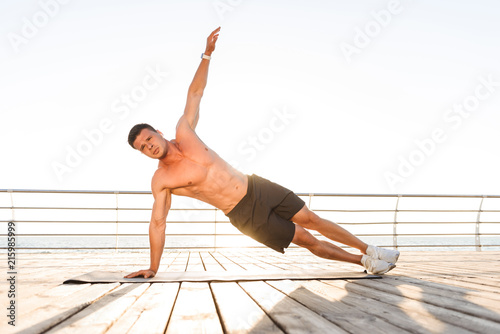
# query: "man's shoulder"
{"type": "Point", "coordinates": [183, 126]}
{"type": "Point", "coordinates": [160, 180]}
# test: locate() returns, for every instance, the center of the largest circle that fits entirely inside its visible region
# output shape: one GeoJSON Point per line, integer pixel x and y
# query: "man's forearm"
{"type": "Point", "coordinates": [200, 78]}
{"type": "Point", "coordinates": [156, 243]}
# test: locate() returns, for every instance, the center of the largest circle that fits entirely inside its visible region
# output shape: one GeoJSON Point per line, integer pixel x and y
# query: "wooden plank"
{"type": "Point", "coordinates": [466, 284]}
{"type": "Point", "coordinates": [150, 313]}
{"type": "Point", "coordinates": [194, 311]}
{"type": "Point", "coordinates": [459, 270]}
{"type": "Point", "coordinates": [179, 263]}
{"type": "Point", "coordinates": [244, 261]}
{"type": "Point", "coordinates": [325, 301]}
{"type": "Point", "coordinates": [49, 296]}
{"type": "Point", "coordinates": [484, 282]}
{"type": "Point", "coordinates": [484, 299]}
{"type": "Point", "coordinates": [267, 261]}
{"type": "Point", "coordinates": [225, 262]}
{"type": "Point", "coordinates": [452, 280]}
{"type": "Point", "coordinates": [288, 314]}
{"type": "Point", "coordinates": [194, 262]}
{"type": "Point", "coordinates": [239, 313]}
{"type": "Point", "coordinates": [448, 300]}
{"type": "Point", "coordinates": [415, 320]}
{"type": "Point", "coordinates": [209, 262]}
{"type": "Point", "coordinates": [425, 310]}
{"type": "Point", "coordinates": [99, 316]}
{"type": "Point", "coordinates": [166, 260]}
{"type": "Point", "coordinates": [55, 311]}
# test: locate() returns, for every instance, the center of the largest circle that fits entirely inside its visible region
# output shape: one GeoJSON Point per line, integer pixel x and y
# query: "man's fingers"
{"type": "Point", "coordinates": [143, 273]}
{"type": "Point", "coordinates": [132, 275]}
{"type": "Point", "coordinates": [215, 32]}
{"type": "Point", "coordinates": [135, 274]}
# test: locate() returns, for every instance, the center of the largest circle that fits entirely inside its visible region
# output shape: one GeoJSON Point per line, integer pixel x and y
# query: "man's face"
{"type": "Point", "coordinates": [151, 144]}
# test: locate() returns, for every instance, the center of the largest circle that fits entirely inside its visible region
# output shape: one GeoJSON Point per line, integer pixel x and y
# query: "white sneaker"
{"type": "Point", "coordinates": [377, 267]}
{"type": "Point", "coordinates": [387, 255]}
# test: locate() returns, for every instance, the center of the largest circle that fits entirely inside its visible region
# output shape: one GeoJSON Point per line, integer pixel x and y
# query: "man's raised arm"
{"type": "Point", "coordinates": [195, 92]}
{"type": "Point", "coordinates": [157, 227]}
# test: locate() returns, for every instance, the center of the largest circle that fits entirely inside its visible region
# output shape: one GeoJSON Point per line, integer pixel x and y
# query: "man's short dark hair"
{"type": "Point", "coordinates": [136, 129]}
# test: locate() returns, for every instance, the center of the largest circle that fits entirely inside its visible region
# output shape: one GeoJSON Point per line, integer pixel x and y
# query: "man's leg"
{"type": "Point", "coordinates": [323, 249]}
{"type": "Point", "coordinates": [308, 219]}
{"type": "Point", "coordinates": [329, 251]}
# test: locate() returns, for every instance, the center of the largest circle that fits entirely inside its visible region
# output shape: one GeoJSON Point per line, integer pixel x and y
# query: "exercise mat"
{"type": "Point", "coordinates": [218, 276]}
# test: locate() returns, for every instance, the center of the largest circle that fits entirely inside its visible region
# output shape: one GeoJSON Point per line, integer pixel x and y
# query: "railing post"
{"type": "Point", "coordinates": [310, 198]}
{"type": "Point", "coordinates": [395, 225]}
{"type": "Point", "coordinates": [215, 230]}
{"type": "Point", "coordinates": [12, 206]}
{"type": "Point", "coordinates": [116, 230]}
{"type": "Point", "coordinates": [478, 221]}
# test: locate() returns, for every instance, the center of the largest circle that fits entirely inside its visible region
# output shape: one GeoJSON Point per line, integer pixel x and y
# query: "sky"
{"type": "Point", "coordinates": [319, 96]}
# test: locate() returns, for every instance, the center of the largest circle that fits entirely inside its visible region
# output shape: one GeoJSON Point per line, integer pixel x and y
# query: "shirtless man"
{"type": "Point", "coordinates": [269, 213]}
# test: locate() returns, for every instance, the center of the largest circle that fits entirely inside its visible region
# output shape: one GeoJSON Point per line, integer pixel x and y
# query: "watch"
{"type": "Point", "coordinates": [204, 56]}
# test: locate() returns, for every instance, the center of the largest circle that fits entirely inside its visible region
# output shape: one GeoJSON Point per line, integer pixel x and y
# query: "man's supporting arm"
{"type": "Point", "coordinates": [157, 227]}
{"type": "Point", "coordinates": [195, 92]}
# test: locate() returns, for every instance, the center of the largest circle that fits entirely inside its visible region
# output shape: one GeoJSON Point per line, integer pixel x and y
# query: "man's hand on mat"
{"type": "Point", "coordinates": [147, 273]}
{"type": "Point", "coordinates": [211, 41]}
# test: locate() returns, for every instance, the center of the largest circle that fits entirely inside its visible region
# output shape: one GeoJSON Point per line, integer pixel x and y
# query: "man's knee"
{"type": "Point", "coordinates": [304, 239]}
{"type": "Point", "coordinates": [308, 219]}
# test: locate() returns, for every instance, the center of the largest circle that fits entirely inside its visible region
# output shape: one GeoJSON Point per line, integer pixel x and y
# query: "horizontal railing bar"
{"type": "Point", "coordinates": [109, 221]}
{"type": "Point", "coordinates": [79, 221]}
{"type": "Point", "coordinates": [123, 235]}
{"type": "Point", "coordinates": [412, 210]}
{"type": "Point", "coordinates": [219, 222]}
{"type": "Point", "coordinates": [428, 246]}
{"type": "Point", "coordinates": [87, 208]}
{"type": "Point", "coordinates": [166, 247]}
{"type": "Point", "coordinates": [397, 195]}
{"type": "Point", "coordinates": [101, 192]}
{"type": "Point", "coordinates": [212, 209]}
{"type": "Point", "coordinates": [113, 192]}
{"type": "Point", "coordinates": [230, 234]}
{"type": "Point", "coordinates": [444, 234]}
{"type": "Point", "coordinates": [218, 247]}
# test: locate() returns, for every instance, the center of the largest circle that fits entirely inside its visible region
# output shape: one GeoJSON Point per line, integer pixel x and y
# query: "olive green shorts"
{"type": "Point", "coordinates": [265, 211]}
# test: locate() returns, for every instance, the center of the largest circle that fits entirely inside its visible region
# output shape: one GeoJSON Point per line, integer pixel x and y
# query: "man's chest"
{"type": "Point", "coordinates": [186, 173]}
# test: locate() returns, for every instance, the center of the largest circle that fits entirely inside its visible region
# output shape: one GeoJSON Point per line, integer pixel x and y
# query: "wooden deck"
{"type": "Point", "coordinates": [429, 292]}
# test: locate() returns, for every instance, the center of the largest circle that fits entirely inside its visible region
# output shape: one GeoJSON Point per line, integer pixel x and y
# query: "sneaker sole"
{"type": "Point", "coordinates": [392, 266]}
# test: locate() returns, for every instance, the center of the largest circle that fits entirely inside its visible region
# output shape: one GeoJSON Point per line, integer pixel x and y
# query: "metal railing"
{"type": "Point", "coordinates": [116, 222]}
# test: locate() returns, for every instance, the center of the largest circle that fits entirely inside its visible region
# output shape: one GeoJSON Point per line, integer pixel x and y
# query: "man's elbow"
{"type": "Point", "coordinates": [159, 225]}
{"type": "Point", "coordinates": [195, 92]}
